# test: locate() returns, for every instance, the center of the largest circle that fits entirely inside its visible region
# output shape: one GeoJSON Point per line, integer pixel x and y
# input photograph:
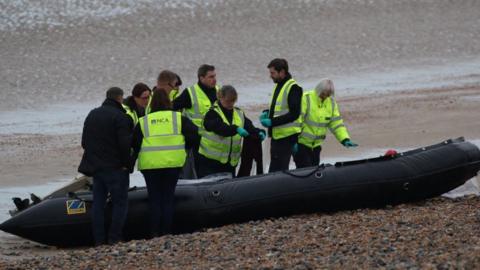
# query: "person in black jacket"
{"type": "Point", "coordinates": [161, 167]}
{"type": "Point", "coordinates": [106, 140]}
{"type": "Point", "coordinates": [283, 128]}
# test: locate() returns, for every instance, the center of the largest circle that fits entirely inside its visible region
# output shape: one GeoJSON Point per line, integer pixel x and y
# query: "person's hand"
{"type": "Point", "coordinates": [347, 143]}
{"type": "Point", "coordinates": [295, 148]}
{"type": "Point", "coordinates": [242, 132]}
{"type": "Point", "coordinates": [266, 122]}
{"type": "Point", "coordinates": [264, 115]}
{"type": "Point", "coordinates": [262, 135]}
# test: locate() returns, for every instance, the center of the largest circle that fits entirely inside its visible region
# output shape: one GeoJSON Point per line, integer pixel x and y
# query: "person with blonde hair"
{"type": "Point", "coordinates": [319, 112]}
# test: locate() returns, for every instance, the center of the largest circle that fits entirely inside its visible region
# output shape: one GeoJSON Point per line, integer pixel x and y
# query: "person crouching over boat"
{"type": "Point", "coordinates": [136, 103]}
{"type": "Point", "coordinates": [225, 125]}
{"type": "Point", "coordinates": [159, 141]}
{"type": "Point", "coordinates": [319, 112]}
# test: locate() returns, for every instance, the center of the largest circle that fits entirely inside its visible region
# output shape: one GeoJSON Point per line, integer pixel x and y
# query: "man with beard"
{"type": "Point", "coordinates": [283, 118]}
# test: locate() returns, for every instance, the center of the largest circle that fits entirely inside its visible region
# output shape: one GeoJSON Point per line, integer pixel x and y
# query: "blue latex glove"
{"type": "Point", "coordinates": [295, 148]}
{"type": "Point", "coordinates": [347, 143]}
{"type": "Point", "coordinates": [242, 132]}
{"type": "Point", "coordinates": [266, 122]}
{"type": "Point", "coordinates": [262, 135]}
{"type": "Point", "coordinates": [264, 115]}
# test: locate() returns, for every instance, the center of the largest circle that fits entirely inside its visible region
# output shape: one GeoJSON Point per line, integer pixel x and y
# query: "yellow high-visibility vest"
{"type": "Point", "coordinates": [173, 94]}
{"type": "Point", "coordinates": [200, 106]}
{"type": "Point", "coordinates": [163, 144]}
{"type": "Point", "coordinates": [132, 114]}
{"type": "Point", "coordinates": [223, 149]}
{"type": "Point", "coordinates": [281, 108]}
{"type": "Point", "coordinates": [317, 117]}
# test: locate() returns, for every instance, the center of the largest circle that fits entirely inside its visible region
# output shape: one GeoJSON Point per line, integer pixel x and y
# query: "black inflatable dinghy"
{"type": "Point", "coordinates": [65, 220]}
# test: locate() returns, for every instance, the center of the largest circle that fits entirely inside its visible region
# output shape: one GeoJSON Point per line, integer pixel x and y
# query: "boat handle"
{"type": "Point", "coordinates": [318, 175]}
{"type": "Point", "coordinates": [216, 193]}
{"type": "Point", "coordinates": [405, 185]}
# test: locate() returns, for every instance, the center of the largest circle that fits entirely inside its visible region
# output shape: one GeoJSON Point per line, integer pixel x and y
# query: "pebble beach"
{"type": "Point", "coordinates": [439, 233]}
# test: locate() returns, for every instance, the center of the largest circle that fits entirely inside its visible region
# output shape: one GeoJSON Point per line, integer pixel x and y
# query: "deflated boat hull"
{"type": "Point", "coordinates": [410, 176]}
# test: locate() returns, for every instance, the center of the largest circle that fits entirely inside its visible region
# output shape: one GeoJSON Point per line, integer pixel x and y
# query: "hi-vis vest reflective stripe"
{"type": "Point", "coordinates": [317, 117]}
{"type": "Point", "coordinates": [173, 94]}
{"type": "Point", "coordinates": [223, 149]}
{"type": "Point", "coordinates": [281, 108]}
{"type": "Point", "coordinates": [200, 105]}
{"type": "Point", "coordinates": [132, 114]}
{"type": "Point", "coordinates": [163, 144]}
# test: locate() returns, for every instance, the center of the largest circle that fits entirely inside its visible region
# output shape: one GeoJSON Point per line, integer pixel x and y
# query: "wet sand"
{"type": "Point", "coordinates": [404, 119]}
{"type": "Point", "coordinates": [78, 60]}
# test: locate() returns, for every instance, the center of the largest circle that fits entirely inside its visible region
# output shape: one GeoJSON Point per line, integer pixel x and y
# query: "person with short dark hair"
{"type": "Point", "coordinates": [225, 126]}
{"type": "Point", "coordinates": [283, 118]}
{"type": "Point", "coordinates": [196, 100]}
{"type": "Point", "coordinates": [136, 103]}
{"type": "Point", "coordinates": [170, 82]}
{"type": "Point", "coordinates": [160, 141]}
{"type": "Point", "coordinates": [106, 140]}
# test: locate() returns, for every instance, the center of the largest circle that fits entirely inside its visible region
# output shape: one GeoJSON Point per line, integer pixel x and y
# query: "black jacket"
{"type": "Point", "coordinates": [214, 123]}
{"type": "Point", "coordinates": [183, 101]}
{"type": "Point", "coordinates": [106, 139]}
{"type": "Point", "coordinates": [189, 131]}
{"type": "Point", "coordinates": [294, 105]}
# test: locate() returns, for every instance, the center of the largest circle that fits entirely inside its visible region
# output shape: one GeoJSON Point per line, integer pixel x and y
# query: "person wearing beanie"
{"type": "Point", "coordinates": [319, 112]}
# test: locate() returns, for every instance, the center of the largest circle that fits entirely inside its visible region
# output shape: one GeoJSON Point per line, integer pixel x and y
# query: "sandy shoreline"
{"type": "Point", "coordinates": [404, 119]}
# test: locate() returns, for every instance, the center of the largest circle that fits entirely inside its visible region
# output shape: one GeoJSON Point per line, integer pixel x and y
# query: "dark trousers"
{"type": "Point", "coordinates": [252, 150]}
{"type": "Point", "coordinates": [161, 185]}
{"type": "Point", "coordinates": [209, 166]}
{"type": "Point", "coordinates": [307, 157]}
{"type": "Point", "coordinates": [115, 182]}
{"type": "Point", "coordinates": [196, 155]}
{"type": "Point", "coordinates": [189, 171]}
{"type": "Point", "coordinates": [280, 153]}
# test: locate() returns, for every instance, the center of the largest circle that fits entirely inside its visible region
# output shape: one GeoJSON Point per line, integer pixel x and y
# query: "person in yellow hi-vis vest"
{"type": "Point", "coordinates": [136, 103]}
{"type": "Point", "coordinates": [160, 141]}
{"type": "Point", "coordinates": [319, 112]}
{"type": "Point", "coordinates": [196, 100]}
{"type": "Point", "coordinates": [225, 126]}
{"type": "Point", "coordinates": [283, 118]}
